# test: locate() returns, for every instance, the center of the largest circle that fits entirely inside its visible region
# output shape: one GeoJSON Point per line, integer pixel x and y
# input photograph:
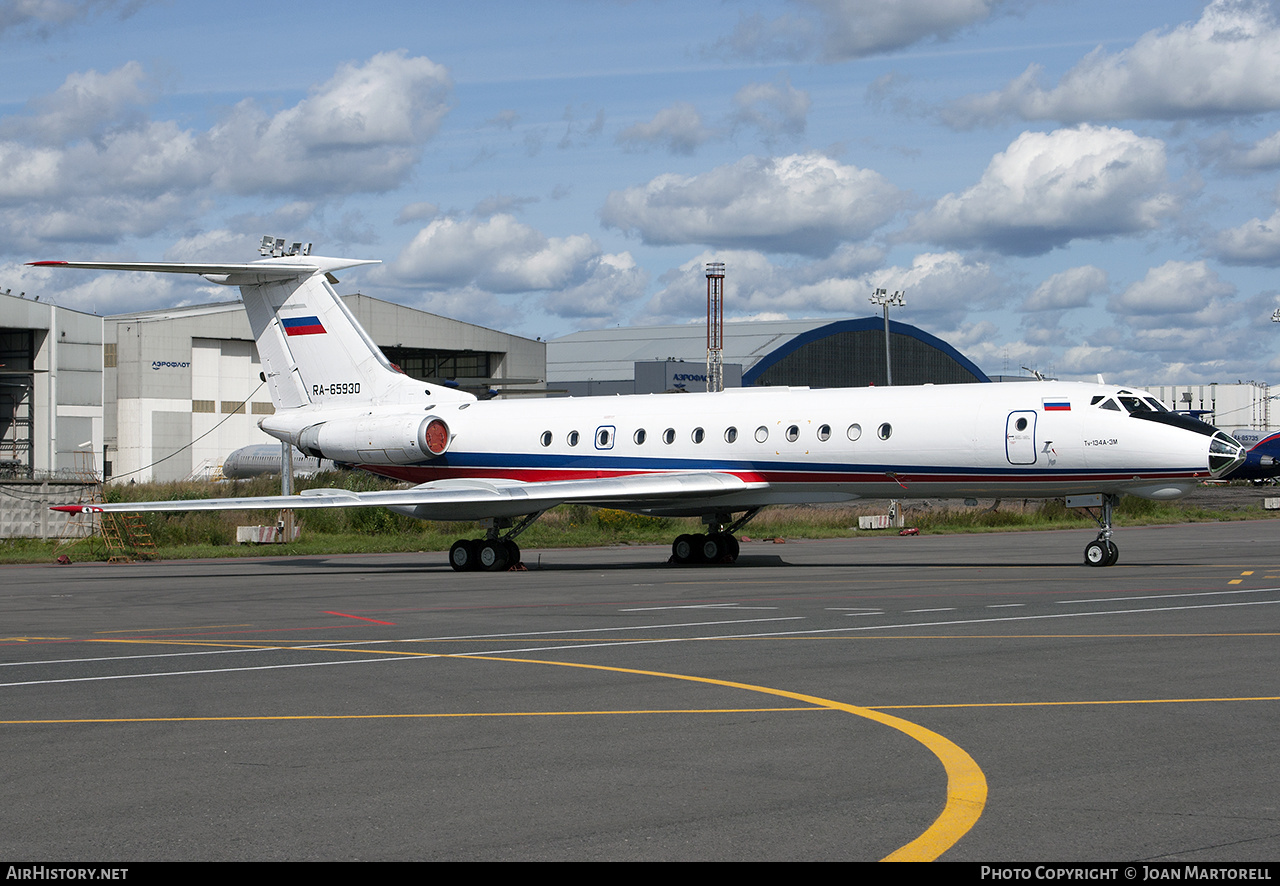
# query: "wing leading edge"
{"type": "Point", "coordinates": [473, 499]}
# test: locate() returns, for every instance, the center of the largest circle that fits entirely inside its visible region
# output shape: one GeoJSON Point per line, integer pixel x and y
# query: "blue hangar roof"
{"type": "Point", "coordinates": [815, 352]}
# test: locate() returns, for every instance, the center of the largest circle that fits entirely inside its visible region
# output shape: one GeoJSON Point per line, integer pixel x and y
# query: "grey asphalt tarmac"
{"type": "Point", "coordinates": [980, 697]}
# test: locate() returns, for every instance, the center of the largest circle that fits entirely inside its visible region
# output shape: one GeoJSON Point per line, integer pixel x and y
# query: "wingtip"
{"type": "Point", "coordinates": [76, 509]}
{"type": "Point", "coordinates": [39, 264]}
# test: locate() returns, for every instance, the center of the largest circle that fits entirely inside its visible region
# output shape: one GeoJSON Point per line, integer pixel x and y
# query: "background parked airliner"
{"type": "Point", "coordinates": [266, 458]}
{"type": "Point", "coordinates": [721, 456]}
{"type": "Point", "coordinates": [1262, 458]}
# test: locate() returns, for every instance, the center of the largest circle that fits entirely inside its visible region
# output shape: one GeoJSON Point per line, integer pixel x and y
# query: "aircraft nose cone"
{"type": "Point", "coordinates": [1225, 454]}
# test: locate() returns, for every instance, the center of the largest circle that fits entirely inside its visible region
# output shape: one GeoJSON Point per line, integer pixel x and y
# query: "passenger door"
{"type": "Point", "coordinates": [1020, 437]}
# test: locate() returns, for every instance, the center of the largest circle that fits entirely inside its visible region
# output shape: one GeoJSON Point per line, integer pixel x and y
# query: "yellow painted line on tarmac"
{"type": "Point", "coordinates": [1056, 704]}
{"type": "Point", "coordinates": [966, 785]}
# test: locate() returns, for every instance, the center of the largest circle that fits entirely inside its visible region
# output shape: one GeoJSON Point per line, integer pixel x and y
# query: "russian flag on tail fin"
{"type": "Point", "coordinates": [302, 325]}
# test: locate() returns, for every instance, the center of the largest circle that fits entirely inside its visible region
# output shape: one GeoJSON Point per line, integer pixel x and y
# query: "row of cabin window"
{"type": "Point", "coordinates": [792, 434]}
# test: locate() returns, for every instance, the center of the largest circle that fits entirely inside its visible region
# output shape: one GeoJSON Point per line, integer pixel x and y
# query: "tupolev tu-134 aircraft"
{"type": "Point", "coordinates": [721, 456]}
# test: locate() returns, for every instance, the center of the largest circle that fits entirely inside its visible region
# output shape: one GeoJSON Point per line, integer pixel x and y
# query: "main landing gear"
{"type": "Point", "coordinates": [717, 546]}
{"type": "Point", "coordinates": [1102, 551]}
{"type": "Point", "coordinates": [497, 551]}
{"type": "Point", "coordinates": [493, 553]}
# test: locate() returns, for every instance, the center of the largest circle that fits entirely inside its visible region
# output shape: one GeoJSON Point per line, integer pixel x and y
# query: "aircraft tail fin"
{"type": "Point", "coordinates": [313, 351]}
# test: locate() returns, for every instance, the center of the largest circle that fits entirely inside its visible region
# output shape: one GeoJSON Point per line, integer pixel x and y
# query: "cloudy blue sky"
{"type": "Point", "coordinates": [1081, 187]}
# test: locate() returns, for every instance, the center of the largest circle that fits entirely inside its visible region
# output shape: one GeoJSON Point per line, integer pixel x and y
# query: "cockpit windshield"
{"type": "Point", "coordinates": [1132, 403]}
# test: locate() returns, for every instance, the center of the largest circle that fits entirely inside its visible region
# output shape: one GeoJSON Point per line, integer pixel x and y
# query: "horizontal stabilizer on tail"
{"type": "Point", "coordinates": [313, 351]}
{"type": "Point", "coordinates": [267, 269]}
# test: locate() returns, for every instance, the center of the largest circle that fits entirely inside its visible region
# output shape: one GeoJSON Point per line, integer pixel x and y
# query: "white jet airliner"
{"type": "Point", "coordinates": [720, 456]}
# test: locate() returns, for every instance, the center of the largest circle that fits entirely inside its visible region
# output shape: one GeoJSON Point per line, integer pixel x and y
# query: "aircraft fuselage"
{"type": "Point", "coordinates": [945, 441]}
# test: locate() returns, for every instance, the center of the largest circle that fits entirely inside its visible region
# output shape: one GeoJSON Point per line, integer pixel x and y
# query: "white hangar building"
{"type": "Point", "coordinates": [51, 391]}
{"type": "Point", "coordinates": [51, 412]}
{"type": "Point", "coordinates": [192, 374]}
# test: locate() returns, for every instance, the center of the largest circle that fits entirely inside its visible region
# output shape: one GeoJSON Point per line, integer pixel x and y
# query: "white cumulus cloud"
{"type": "Point", "coordinates": [803, 203]}
{"type": "Point", "coordinates": [1241, 157]}
{"type": "Point", "coordinates": [85, 103]}
{"type": "Point", "coordinates": [1072, 288]}
{"type": "Point", "coordinates": [614, 285]}
{"type": "Point", "coordinates": [363, 130]}
{"type": "Point", "coordinates": [941, 288]}
{"type": "Point", "coordinates": [499, 254]}
{"type": "Point", "coordinates": [1175, 287]}
{"type": "Point", "coordinates": [1047, 189]}
{"type": "Point", "coordinates": [85, 163]}
{"type": "Point", "coordinates": [1225, 63]}
{"type": "Point", "coordinates": [1256, 242]}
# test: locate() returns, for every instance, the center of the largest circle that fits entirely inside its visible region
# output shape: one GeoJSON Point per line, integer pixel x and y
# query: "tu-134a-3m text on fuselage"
{"type": "Point", "coordinates": [721, 456]}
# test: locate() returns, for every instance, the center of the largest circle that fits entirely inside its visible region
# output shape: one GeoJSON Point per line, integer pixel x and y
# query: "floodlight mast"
{"type": "Point", "coordinates": [715, 326]}
{"type": "Point", "coordinates": [884, 298]}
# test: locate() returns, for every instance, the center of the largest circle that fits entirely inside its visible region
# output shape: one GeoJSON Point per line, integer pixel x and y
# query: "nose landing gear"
{"type": "Point", "coordinates": [1102, 551]}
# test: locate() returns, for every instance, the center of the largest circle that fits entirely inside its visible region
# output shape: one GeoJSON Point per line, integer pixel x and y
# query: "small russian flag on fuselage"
{"type": "Point", "coordinates": [1056, 405]}
{"type": "Point", "coordinates": [302, 326]}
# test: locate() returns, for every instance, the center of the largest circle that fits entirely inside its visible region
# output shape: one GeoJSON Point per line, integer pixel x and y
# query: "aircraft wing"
{"type": "Point", "coordinates": [473, 499]}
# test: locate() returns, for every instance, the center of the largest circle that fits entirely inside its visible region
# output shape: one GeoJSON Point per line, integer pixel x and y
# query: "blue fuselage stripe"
{"type": "Point", "coordinates": [629, 464]}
